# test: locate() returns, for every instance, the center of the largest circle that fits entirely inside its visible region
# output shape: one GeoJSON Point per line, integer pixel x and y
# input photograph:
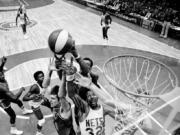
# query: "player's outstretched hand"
{"type": "Point", "coordinates": [51, 66]}
{"type": "Point", "coordinates": [82, 81]}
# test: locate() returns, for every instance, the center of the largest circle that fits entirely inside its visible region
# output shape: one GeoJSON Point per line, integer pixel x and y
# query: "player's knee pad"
{"type": "Point", "coordinates": [41, 122]}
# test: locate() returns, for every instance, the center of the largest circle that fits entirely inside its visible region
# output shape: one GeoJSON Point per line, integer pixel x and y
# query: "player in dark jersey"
{"type": "Point", "coordinates": [60, 106]}
{"type": "Point", "coordinates": [37, 97]}
{"type": "Point", "coordinates": [61, 109]}
{"type": "Point", "coordinates": [6, 97]}
{"type": "Point", "coordinates": [105, 23]}
{"type": "Point", "coordinates": [23, 19]}
{"type": "Point", "coordinates": [86, 65]}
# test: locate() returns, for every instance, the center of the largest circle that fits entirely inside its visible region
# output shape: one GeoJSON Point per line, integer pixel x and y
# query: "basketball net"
{"type": "Point", "coordinates": [139, 82]}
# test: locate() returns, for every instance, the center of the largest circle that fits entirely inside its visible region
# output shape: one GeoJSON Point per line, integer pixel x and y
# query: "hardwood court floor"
{"type": "Point", "coordinates": [27, 56]}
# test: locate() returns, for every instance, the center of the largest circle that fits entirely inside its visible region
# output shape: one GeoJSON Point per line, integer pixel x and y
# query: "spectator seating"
{"type": "Point", "coordinates": [142, 12]}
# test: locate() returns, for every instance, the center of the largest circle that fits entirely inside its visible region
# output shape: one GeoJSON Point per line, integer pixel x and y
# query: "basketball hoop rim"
{"type": "Point", "coordinates": [131, 93]}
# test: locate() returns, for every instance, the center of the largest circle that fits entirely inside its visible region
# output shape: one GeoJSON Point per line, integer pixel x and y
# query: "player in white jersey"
{"type": "Point", "coordinates": [92, 122]}
{"type": "Point", "coordinates": [23, 19]}
{"type": "Point", "coordinates": [61, 106]}
{"type": "Point", "coordinates": [36, 98]}
{"type": "Point", "coordinates": [90, 115]}
{"type": "Point", "coordinates": [106, 99]}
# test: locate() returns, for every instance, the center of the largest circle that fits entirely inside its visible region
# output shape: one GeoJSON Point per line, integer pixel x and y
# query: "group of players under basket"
{"type": "Point", "coordinates": [73, 102]}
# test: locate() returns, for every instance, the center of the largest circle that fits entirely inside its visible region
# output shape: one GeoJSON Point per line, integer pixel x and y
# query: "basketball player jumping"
{"type": "Point", "coordinates": [86, 65]}
{"type": "Point", "coordinates": [23, 19]}
{"type": "Point", "coordinates": [7, 97]}
{"type": "Point", "coordinates": [60, 106]}
{"type": "Point", "coordinates": [62, 111]}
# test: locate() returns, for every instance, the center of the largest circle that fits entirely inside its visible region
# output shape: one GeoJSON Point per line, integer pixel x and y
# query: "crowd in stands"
{"type": "Point", "coordinates": [159, 9]}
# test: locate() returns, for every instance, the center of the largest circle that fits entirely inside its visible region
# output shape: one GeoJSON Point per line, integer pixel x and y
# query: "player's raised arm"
{"type": "Point", "coordinates": [106, 99]}
{"type": "Point", "coordinates": [80, 104]}
{"type": "Point", "coordinates": [83, 65]}
{"type": "Point", "coordinates": [47, 77]}
{"type": "Point", "coordinates": [62, 89]}
{"type": "Point", "coordinates": [86, 82]}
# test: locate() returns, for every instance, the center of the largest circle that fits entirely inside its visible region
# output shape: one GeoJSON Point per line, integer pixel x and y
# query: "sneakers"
{"type": "Point", "coordinates": [26, 111]}
{"type": "Point", "coordinates": [161, 35]}
{"type": "Point", "coordinates": [26, 36]}
{"type": "Point", "coordinates": [164, 36]}
{"type": "Point", "coordinates": [39, 133]}
{"type": "Point", "coordinates": [15, 131]}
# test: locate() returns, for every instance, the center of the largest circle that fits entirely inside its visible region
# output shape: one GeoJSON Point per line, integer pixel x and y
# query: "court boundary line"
{"type": "Point", "coordinates": [17, 116]}
{"type": "Point", "coordinates": [151, 49]}
{"type": "Point", "coordinates": [24, 2]}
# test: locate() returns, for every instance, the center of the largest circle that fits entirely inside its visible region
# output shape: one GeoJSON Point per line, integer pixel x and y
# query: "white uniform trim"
{"type": "Point", "coordinates": [41, 122]}
{"type": "Point", "coordinates": [21, 19]}
{"type": "Point", "coordinates": [61, 41]}
{"type": "Point", "coordinates": [36, 104]}
{"type": "Point", "coordinates": [93, 123]}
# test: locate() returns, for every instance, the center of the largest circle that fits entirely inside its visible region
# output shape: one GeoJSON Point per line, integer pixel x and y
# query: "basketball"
{"type": "Point", "coordinates": [60, 41]}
